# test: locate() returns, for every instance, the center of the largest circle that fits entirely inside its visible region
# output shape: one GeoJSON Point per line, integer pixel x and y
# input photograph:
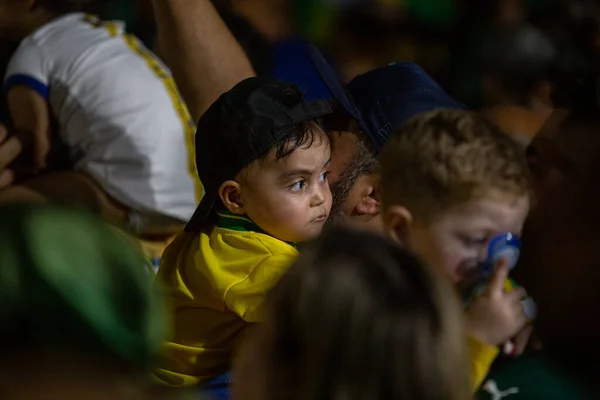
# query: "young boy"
{"type": "Point", "coordinates": [113, 104]}
{"type": "Point", "coordinates": [263, 160]}
{"type": "Point", "coordinates": [451, 181]}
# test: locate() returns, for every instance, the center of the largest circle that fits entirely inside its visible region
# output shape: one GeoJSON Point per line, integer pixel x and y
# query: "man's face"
{"type": "Point", "coordinates": [354, 180]}
{"type": "Point", "coordinates": [559, 266]}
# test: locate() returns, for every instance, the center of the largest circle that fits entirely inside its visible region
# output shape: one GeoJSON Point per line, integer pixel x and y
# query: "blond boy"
{"type": "Point", "coordinates": [451, 181]}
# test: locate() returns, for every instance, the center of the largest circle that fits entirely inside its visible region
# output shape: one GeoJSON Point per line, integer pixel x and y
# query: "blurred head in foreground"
{"type": "Point", "coordinates": [79, 316]}
{"type": "Point", "coordinates": [357, 317]}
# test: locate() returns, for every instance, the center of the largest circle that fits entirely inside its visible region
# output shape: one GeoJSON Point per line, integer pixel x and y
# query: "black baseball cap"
{"type": "Point", "coordinates": [382, 100]}
{"type": "Point", "coordinates": [241, 127]}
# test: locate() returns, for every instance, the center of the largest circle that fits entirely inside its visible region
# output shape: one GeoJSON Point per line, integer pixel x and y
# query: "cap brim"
{"type": "Point", "coordinates": [202, 212]}
{"type": "Point", "coordinates": [332, 81]}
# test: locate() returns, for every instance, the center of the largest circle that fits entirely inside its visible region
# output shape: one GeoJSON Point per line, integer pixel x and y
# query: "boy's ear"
{"type": "Point", "coordinates": [396, 222]}
{"type": "Point", "coordinates": [231, 197]}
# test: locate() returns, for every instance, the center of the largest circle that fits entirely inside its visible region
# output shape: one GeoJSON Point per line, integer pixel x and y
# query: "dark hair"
{"type": "Point", "coordinates": [358, 317]}
{"type": "Point", "coordinates": [363, 162]}
{"type": "Point", "coordinates": [296, 136]}
{"type": "Point", "coordinates": [519, 58]}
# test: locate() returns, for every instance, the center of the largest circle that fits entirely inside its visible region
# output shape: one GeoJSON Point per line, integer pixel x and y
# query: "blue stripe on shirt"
{"type": "Point", "coordinates": [28, 81]}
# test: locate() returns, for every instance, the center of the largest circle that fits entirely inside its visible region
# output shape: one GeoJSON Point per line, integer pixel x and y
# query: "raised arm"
{"type": "Point", "coordinates": [205, 58]}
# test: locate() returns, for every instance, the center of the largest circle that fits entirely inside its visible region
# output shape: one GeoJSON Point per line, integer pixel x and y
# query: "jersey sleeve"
{"type": "Point", "coordinates": [246, 297]}
{"type": "Point", "coordinates": [28, 67]}
{"type": "Point", "coordinates": [481, 358]}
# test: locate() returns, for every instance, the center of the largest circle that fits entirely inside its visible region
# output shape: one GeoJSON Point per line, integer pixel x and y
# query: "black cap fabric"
{"type": "Point", "coordinates": [241, 127]}
{"type": "Point", "coordinates": [382, 100]}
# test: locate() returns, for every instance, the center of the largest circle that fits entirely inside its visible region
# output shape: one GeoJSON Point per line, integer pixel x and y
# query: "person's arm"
{"type": "Point", "coordinates": [70, 189]}
{"type": "Point", "coordinates": [27, 84]}
{"type": "Point", "coordinates": [31, 115]}
{"type": "Point", "coordinates": [204, 57]}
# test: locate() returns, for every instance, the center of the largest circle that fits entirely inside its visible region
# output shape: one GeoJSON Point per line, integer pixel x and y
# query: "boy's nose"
{"type": "Point", "coordinates": [319, 196]}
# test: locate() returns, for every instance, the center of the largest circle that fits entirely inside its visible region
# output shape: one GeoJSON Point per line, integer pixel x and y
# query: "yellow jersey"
{"type": "Point", "coordinates": [216, 285]}
{"type": "Point", "coordinates": [482, 355]}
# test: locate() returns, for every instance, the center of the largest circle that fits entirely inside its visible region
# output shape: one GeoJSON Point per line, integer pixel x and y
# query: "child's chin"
{"type": "Point", "coordinates": [312, 233]}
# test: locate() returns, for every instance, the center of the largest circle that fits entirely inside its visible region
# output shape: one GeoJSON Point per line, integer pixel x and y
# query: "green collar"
{"type": "Point", "coordinates": [237, 222]}
{"type": "Point", "coordinates": [240, 223]}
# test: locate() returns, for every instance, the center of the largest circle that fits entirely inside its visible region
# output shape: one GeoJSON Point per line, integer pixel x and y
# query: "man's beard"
{"type": "Point", "coordinates": [340, 191]}
{"type": "Point", "coordinates": [363, 163]}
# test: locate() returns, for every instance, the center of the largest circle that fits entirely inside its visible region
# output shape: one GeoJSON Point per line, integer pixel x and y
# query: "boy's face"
{"type": "Point", "coordinates": [290, 198]}
{"type": "Point", "coordinates": [455, 241]}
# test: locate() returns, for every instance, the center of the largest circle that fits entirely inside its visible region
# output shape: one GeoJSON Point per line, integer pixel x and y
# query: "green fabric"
{"type": "Point", "coordinates": [236, 222]}
{"type": "Point", "coordinates": [433, 12]}
{"type": "Point", "coordinates": [240, 223]}
{"type": "Point", "coordinates": [73, 283]}
{"type": "Point", "coordinates": [314, 19]}
{"type": "Point", "coordinates": [541, 376]}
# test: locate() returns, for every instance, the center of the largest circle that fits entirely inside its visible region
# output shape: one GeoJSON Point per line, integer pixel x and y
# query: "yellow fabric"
{"type": "Point", "coordinates": [153, 249]}
{"type": "Point", "coordinates": [482, 355]}
{"type": "Point", "coordinates": [216, 285]}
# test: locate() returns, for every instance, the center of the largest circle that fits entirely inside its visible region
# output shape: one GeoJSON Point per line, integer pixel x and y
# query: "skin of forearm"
{"type": "Point", "coordinates": [203, 55]}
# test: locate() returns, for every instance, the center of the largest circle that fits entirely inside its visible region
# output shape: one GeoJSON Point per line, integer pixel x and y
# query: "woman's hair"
{"type": "Point", "coordinates": [357, 317]}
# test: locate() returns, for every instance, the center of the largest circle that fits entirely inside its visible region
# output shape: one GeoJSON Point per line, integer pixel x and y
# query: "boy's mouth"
{"type": "Point", "coordinates": [320, 218]}
{"type": "Point", "coordinates": [467, 271]}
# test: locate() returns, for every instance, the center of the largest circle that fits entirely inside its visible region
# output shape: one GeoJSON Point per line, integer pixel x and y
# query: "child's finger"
{"type": "Point", "coordinates": [9, 151]}
{"type": "Point", "coordinates": [521, 340]}
{"type": "Point", "coordinates": [517, 294]}
{"type": "Point", "coordinates": [498, 277]}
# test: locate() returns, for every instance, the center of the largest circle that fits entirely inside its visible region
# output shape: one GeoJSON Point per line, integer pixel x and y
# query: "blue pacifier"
{"type": "Point", "coordinates": [505, 246]}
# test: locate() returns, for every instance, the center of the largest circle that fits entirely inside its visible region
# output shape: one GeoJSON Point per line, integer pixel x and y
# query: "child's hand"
{"type": "Point", "coordinates": [497, 316]}
{"type": "Point", "coordinates": [10, 148]}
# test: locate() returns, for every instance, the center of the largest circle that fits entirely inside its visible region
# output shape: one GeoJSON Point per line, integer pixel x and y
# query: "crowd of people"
{"type": "Point", "coordinates": [178, 224]}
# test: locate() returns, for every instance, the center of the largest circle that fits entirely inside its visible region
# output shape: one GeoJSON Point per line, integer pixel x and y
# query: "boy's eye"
{"type": "Point", "coordinates": [298, 185]}
{"type": "Point", "coordinates": [474, 241]}
{"type": "Point", "coordinates": [323, 177]}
